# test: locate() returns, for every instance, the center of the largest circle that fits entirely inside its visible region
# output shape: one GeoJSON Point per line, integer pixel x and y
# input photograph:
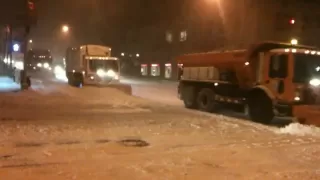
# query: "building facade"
{"type": "Point", "coordinates": [201, 28]}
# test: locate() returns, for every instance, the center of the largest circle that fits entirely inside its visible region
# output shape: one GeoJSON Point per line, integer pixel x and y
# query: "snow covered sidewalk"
{"type": "Point", "coordinates": [101, 133]}
{"type": "Point", "coordinates": [7, 84]}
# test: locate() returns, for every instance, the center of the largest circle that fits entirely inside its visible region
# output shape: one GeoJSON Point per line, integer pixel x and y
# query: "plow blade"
{"type": "Point", "coordinates": [127, 89]}
{"type": "Point", "coordinates": [307, 114]}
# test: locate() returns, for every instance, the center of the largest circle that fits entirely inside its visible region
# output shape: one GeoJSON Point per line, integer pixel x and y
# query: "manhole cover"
{"type": "Point", "coordinates": [102, 141]}
{"type": "Point", "coordinates": [134, 142]}
{"type": "Point", "coordinates": [7, 156]}
{"type": "Point", "coordinates": [68, 142]}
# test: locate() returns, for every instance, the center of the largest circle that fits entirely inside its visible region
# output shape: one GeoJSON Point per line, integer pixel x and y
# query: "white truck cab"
{"type": "Point", "coordinates": [91, 64]}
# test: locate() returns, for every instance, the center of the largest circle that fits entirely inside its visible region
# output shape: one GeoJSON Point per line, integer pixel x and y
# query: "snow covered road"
{"type": "Point", "coordinates": [58, 132]}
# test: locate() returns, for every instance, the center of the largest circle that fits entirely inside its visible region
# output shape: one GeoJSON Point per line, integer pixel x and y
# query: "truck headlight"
{"type": "Point", "coordinates": [111, 73]}
{"type": "Point", "coordinates": [46, 65]}
{"type": "Point", "coordinates": [314, 82]}
{"type": "Point", "coordinates": [101, 73]}
{"type": "Point", "coordinates": [58, 70]}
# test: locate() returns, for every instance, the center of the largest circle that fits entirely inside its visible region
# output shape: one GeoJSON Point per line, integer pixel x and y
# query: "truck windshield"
{"type": "Point", "coordinates": [306, 67]}
{"type": "Point", "coordinates": [96, 64]}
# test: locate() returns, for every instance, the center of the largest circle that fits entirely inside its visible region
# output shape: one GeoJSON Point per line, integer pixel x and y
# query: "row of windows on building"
{"type": "Point", "coordinates": [166, 71]}
{"type": "Point", "coordinates": [182, 36]}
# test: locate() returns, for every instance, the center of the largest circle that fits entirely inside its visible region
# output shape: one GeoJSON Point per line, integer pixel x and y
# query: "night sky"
{"type": "Point", "coordinates": [96, 21]}
{"type": "Point", "coordinates": [108, 22]}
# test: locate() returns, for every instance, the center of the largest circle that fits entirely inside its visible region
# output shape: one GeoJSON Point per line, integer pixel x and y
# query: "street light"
{"type": "Point", "coordinates": [30, 41]}
{"type": "Point", "coordinates": [294, 41]}
{"type": "Point", "coordinates": [16, 47]}
{"type": "Point", "coordinates": [65, 29]}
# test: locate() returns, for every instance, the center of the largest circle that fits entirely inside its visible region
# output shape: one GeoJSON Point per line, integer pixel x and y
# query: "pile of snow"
{"type": "Point", "coordinates": [65, 95]}
{"type": "Point", "coordinates": [300, 130]}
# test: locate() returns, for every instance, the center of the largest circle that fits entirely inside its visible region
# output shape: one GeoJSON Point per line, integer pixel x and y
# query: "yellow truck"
{"type": "Point", "coordinates": [269, 79]}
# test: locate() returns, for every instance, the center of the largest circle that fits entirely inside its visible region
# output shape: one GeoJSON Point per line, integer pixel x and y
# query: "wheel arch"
{"type": "Point", "coordinates": [262, 89]}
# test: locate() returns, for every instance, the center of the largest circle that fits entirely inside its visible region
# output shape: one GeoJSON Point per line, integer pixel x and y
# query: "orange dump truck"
{"type": "Point", "coordinates": [268, 80]}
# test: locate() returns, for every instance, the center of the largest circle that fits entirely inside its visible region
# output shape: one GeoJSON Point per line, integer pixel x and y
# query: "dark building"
{"type": "Point", "coordinates": [201, 26]}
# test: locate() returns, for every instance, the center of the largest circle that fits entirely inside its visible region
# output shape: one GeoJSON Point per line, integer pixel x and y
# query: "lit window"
{"type": "Point", "coordinates": [169, 37]}
{"type": "Point", "coordinates": [144, 69]}
{"type": "Point", "coordinates": [183, 35]}
{"type": "Point", "coordinates": [155, 70]}
{"type": "Point", "coordinates": [168, 71]}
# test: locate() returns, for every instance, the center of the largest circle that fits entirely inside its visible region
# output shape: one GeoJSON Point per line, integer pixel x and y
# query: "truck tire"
{"type": "Point", "coordinates": [205, 100]}
{"type": "Point", "coordinates": [189, 95]}
{"type": "Point", "coordinates": [260, 108]}
{"type": "Point", "coordinates": [71, 81]}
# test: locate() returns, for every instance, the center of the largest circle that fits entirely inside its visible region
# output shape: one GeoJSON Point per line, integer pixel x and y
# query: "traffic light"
{"type": "Point", "coordinates": [31, 12]}
{"type": "Point", "coordinates": [16, 48]}
{"type": "Point", "coordinates": [31, 5]}
{"type": "Point", "coordinates": [292, 21]}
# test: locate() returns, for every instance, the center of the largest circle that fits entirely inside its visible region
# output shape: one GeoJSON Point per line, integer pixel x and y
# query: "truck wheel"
{"type": "Point", "coordinates": [205, 100]}
{"type": "Point", "coordinates": [260, 108]}
{"type": "Point", "coordinates": [71, 82]}
{"type": "Point", "coordinates": [189, 97]}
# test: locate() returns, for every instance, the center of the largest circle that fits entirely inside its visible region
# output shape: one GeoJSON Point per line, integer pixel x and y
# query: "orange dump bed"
{"type": "Point", "coordinates": [225, 58]}
{"type": "Point", "coordinates": [213, 58]}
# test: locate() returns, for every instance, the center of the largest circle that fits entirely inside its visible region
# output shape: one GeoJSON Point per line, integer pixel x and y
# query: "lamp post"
{"type": "Point", "coordinates": [294, 41]}
{"type": "Point", "coordinates": [65, 29]}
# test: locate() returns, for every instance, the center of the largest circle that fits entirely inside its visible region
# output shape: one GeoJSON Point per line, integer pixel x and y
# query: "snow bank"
{"type": "Point", "coordinates": [65, 95]}
{"type": "Point", "coordinates": [300, 130]}
{"type": "Point", "coordinates": [7, 84]}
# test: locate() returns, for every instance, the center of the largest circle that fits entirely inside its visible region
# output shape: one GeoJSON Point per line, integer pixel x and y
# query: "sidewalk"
{"type": "Point", "coordinates": [8, 85]}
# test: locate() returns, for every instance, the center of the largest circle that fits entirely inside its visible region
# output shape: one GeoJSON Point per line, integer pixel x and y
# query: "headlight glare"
{"type": "Point", "coordinates": [111, 73]}
{"type": "Point", "coordinates": [100, 73]}
{"type": "Point", "coordinates": [314, 82]}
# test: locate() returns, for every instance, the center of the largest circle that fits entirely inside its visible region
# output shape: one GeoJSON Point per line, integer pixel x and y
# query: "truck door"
{"type": "Point", "coordinates": [279, 75]}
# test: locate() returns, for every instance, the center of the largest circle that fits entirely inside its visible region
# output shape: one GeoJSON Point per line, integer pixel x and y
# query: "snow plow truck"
{"type": "Point", "coordinates": [93, 65]}
{"type": "Point", "coordinates": [267, 80]}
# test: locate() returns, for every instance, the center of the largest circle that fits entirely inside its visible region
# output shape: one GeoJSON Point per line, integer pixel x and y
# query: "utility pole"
{"type": "Point", "coordinates": [10, 46]}
{"type": "Point", "coordinates": [24, 75]}
{"type": "Point", "coordinates": [30, 20]}
{"type": "Point", "coordinates": [5, 49]}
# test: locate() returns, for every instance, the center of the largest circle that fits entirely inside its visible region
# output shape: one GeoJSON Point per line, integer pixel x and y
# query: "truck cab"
{"type": "Point", "coordinates": [292, 78]}
{"type": "Point", "coordinates": [91, 65]}
{"type": "Point", "coordinates": [101, 70]}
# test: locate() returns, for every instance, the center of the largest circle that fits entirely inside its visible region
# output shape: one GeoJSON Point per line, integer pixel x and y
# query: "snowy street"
{"type": "Point", "coordinates": [55, 131]}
